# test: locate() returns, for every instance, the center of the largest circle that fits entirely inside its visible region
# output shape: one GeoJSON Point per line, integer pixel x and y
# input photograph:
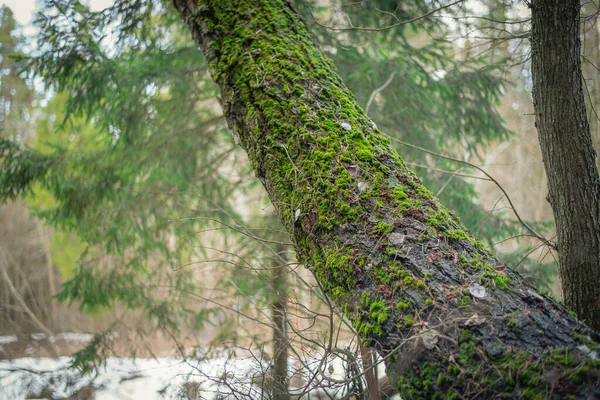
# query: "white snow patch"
{"type": "Point", "coordinates": [74, 337]}
{"type": "Point", "coordinates": [124, 378]}
{"type": "Point", "coordinates": [38, 336]}
{"type": "Point", "coordinates": [160, 378]}
{"type": "Point", "coordinates": [477, 291]}
{"type": "Point", "coordinates": [439, 75]}
{"type": "Point", "coordinates": [8, 339]}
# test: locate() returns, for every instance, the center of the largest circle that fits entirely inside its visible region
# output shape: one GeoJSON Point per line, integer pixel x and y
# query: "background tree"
{"type": "Point", "coordinates": [569, 157]}
{"type": "Point", "coordinates": [27, 278]}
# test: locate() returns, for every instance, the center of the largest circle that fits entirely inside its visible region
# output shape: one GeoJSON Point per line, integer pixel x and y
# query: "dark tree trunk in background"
{"type": "Point", "coordinates": [280, 340]}
{"type": "Point", "coordinates": [448, 318]}
{"type": "Point", "coordinates": [368, 366]}
{"type": "Point", "coordinates": [569, 158]}
{"type": "Point", "coordinates": [591, 74]}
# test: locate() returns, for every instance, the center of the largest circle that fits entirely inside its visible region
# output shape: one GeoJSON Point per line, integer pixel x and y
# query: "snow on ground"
{"type": "Point", "coordinates": [8, 339]}
{"type": "Point", "coordinates": [158, 378]}
{"type": "Point", "coordinates": [126, 378]}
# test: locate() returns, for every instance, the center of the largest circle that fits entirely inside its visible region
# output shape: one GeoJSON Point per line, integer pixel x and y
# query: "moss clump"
{"type": "Point", "coordinates": [403, 305]}
{"type": "Point", "coordinates": [336, 269]}
{"type": "Point", "coordinates": [586, 340]}
{"type": "Point", "coordinates": [378, 312]}
{"type": "Point", "coordinates": [400, 194]}
{"type": "Point", "coordinates": [370, 315]}
{"type": "Point", "coordinates": [465, 300]}
{"type": "Point", "coordinates": [383, 228]}
{"type": "Point", "coordinates": [513, 326]}
{"type": "Point", "coordinates": [501, 280]}
{"type": "Point", "coordinates": [363, 150]}
{"type": "Point", "coordinates": [465, 369]}
{"type": "Point", "coordinates": [444, 222]}
{"type": "Point", "coordinates": [382, 275]}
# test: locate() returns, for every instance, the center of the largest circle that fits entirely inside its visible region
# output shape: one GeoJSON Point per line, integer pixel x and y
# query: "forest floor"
{"type": "Point", "coordinates": [37, 367]}
{"type": "Point", "coordinates": [125, 378]}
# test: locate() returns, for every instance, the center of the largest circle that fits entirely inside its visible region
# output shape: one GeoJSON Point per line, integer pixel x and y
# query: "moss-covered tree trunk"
{"type": "Point", "coordinates": [569, 157]}
{"type": "Point", "coordinates": [449, 318]}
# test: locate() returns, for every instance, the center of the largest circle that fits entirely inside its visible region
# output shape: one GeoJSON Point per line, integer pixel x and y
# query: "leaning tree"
{"type": "Point", "coordinates": [450, 320]}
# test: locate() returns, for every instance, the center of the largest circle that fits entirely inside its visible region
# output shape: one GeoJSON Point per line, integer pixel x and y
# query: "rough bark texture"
{"type": "Point", "coordinates": [449, 319]}
{"type": "Point", "coordinates": [591, 75]}
{"type": "Point", "coordinates": [569, 157]}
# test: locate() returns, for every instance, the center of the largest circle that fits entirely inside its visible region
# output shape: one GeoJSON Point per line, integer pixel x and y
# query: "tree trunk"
{"type": "Point", "coordinates": [448, 318]}
{"type": "Point", "coordinates": [591, 75]}
{"type": "Point", "coordinates": [45, 240]}
{"type": "Point", "coordinates": [372, 392]}
{"type": "Point", "coordinates": [280, 340]}
{"type": "Point", "coordinates": [569, 158]}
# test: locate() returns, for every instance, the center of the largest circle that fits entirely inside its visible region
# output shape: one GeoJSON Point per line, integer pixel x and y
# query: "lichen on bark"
{"type": "Point", "coordinates": [397, 263]}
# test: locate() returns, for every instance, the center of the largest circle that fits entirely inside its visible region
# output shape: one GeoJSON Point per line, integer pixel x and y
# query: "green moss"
{"type": "Point", "coordinates": [400, 194]}
{"type": "Point", "coordinates": [563, 356]}
{"type": "Point", "coordinates": [378, 312]}
{"type": "Point", "coordinates": [444, 222]}
{"type": "Point", "coordinates": [510, 374]}
{"type": "Point", "coordinates": [513, 326]}
{"type": "Point", "coordinates": [583, 339]}
{"type": "Point", "coordinates": [382, 275]}
{"type": "Point", "coordinates": [363, 150]}
{"type": "Point", "coordinates": [581, 375]}
{"type": "Point", "coordinates": [368, 324]}
{"type": "Point", "coordinates": [454, 370]}
{"type": "Point", "coordinates": [501, 280]}
{"type": "Point", "coordinates": [383, 228]}
{"type": "Point", "coordinates": [336, 268]}
{"type": "Point", "coordinates": [403, 305]}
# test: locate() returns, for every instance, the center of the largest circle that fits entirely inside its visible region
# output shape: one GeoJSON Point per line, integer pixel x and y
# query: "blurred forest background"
{"type": "Point", "coordinates": [132, 225]}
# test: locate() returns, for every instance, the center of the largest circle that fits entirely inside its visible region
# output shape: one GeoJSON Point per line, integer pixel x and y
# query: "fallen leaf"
{"type": "Point", "coordinates": [475, 320]}
{"type": "Point", "coordinates": [500, 269]}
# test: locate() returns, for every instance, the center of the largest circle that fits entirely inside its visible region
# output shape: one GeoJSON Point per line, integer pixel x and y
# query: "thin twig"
{"type": "Point", "coordinates": [525, 224]}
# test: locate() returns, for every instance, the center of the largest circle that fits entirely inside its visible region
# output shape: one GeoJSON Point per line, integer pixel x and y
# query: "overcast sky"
{"type": "Point", "coordinates": [24, 9]}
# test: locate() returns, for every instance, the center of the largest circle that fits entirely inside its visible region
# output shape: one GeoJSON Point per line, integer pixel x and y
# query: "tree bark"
{"type": "Point", "coordinates": [368, 367]}
{"type": "Point", "coordinates": [569, 157]}
{"type": "Point", "coordinates": [280, 340]}
{"type": "Point", "coordinates": [591, 75]}
{"type": "Point", "coordinates": [448, 318]}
